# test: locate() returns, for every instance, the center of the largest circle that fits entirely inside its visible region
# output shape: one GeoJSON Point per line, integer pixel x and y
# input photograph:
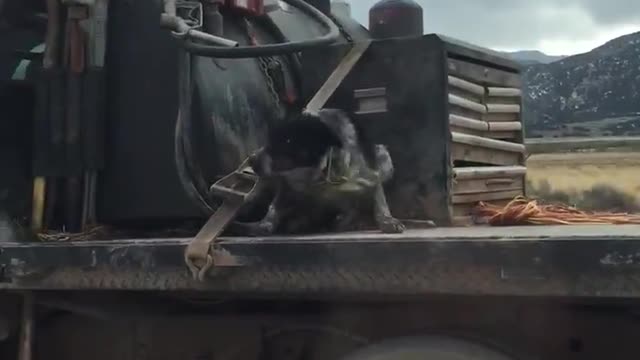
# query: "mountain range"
{"type": "Point", "coordinates": [530, 57]}
{"type": "Point", "coordinates": [592, 94]}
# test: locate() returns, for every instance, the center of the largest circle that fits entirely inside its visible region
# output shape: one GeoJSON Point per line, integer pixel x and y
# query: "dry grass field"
{"type": "Point", "coordinates": [593, 180]}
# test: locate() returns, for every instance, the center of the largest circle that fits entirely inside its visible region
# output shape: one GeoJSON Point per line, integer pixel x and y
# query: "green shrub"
{"type": "Point", "coordinates": [607, 198]}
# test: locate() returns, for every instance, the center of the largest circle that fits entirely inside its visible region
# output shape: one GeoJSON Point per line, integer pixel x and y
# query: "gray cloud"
{"type": "Point", "coordinates": [611, 12]}
{"type": "Point", "coordinates": [522, 24]}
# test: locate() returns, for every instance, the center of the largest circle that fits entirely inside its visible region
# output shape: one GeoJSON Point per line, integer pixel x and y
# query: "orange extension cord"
{"type": "Point", "coordinates": [523, 211]}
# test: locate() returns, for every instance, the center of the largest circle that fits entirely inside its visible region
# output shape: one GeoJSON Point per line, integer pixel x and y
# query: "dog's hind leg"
{"type": "Point", "coordinates": [385, 221]}
{"type": "Point", "coordinates": [384, 165]}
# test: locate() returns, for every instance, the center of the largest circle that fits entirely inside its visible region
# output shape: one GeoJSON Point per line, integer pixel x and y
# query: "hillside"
{"type": "Point", "coordinates": [591, 94]}
{"type": "Point", "coordinates": [530, 57]}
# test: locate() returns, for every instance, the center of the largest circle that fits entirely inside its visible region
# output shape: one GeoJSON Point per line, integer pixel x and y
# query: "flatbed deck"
{"type": "Point", "coordinates": [574, 261]}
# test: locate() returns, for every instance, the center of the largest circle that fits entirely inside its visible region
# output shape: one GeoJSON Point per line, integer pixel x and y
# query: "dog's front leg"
{"type": "Point", "coordinates": [384, 166]}
{"type": "Point", "coordinates": [268, 224]}
{"type": "Point", "coordinates": [386, 222]}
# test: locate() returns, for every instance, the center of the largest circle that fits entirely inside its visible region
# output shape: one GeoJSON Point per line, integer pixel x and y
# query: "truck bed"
{"type": "Point", "coordinates": [574, 261]}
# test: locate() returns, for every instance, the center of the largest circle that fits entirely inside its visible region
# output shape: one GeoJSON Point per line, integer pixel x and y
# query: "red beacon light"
{"type": "Point", "coordinates": [253, 7]}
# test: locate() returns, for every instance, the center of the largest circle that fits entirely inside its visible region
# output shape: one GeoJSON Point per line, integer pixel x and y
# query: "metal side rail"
{"type": "Point", "coordinates": [580, 261]}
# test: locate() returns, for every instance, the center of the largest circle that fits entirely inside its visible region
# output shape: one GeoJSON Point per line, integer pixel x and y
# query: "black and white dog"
{"type": "Point", "coordinates": [324, 174]}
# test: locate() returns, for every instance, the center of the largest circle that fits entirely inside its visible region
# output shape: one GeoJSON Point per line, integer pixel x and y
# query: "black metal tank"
{"type": "Point", "coordinates": [234, 101]}
{"type": "Point", "coordinates": [395, 18]}
{"type": "Point", "coordinates": [322, 5]}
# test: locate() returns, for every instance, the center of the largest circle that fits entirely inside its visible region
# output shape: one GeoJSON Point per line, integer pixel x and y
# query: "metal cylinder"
{"type": "Point", "coordinates": [322, 5]}
{"type": "Point", "coordinates": [213, 22]}
{"type": "Point", "coordinates": [395, 18]}
{"type": "Point", "coordinates": [234, 103]}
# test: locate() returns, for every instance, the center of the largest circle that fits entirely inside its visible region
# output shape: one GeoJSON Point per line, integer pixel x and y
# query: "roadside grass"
{"type": "Point", "coordinates": [590, 181]}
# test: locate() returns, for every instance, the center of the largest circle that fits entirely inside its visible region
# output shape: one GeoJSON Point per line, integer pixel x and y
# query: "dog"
{"type": "Point", "coordinates": [324, 174]}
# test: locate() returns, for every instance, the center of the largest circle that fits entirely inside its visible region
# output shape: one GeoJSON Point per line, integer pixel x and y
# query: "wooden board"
{"type": "Point", "coordinates": [503, 117]}
{"type": "Point", "coordinates": [476, 186]}
{"type": "Point", "coordinates": [505, 126]}
{"type": "Point", "coordinates": [466, 95]}
{"type": "Point", "coordinates": [467, 104]}
{"type": "Point", "coordinates": [504, 92]}
{"type": "Point", "coordinates": [498, 135]}
{"type": "Point", "coordinates": [464, 152]}
{"type": "Point", "coordinates": [468, 123]}
{"type": "Point", "coordinates": [485, 196]}
{"type": "Point", "coordinates": [479, 141]}
{"type": "Point", "coordinates": [493, 130]}
{"type": "Point", "coordinates": [483, 75]}
{"type": "Point", "coordinates": [499, 108]}
{"type": "Point", "coordinates": [467, 86]}
{"type": "Point", "coordinates": [503, 100]}
{"type": "Point", "coordinates": [488, 172]}
{"type": "Point", "coordinates": [469, 114]}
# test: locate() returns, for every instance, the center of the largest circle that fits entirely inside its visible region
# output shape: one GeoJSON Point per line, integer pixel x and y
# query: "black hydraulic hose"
{"type": "Point", "coordinates": [333, 33]}
{"type": "Point", "coordinates": [187, 169]}
{"type": "Point", "coordinates": [184, 173]}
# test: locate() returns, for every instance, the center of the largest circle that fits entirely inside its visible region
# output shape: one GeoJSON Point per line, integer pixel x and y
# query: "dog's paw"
{"type": "Point", "coordinates": [420, 224]}
{"type": "Point", "coordinates": [390, 225]}
{"type": "Point", "coordinates": [262, 228]}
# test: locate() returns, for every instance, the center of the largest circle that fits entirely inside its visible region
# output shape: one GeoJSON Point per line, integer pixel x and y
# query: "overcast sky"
{"type": "Point", "coordinates": [556, 27]}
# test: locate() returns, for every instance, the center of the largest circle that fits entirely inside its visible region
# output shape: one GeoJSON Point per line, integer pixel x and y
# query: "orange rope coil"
{"type": "Point", "coordinates": [523, 211]}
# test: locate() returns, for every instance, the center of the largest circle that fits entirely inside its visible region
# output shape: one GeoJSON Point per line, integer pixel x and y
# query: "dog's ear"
{"type": "Point", "coordinates": [330, 136]}
{"type": "Point", "coordinates": [260, 162]}
{"type": "Point", "coordinates": [323, 132]}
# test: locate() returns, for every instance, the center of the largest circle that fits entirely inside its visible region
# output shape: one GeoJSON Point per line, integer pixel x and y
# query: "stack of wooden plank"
{"type": "Point", "coordinates": [487, 151]}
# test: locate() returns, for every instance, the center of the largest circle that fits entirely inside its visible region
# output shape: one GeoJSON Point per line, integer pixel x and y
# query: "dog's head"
{"type": "Point", "coordinates": [295, 151]}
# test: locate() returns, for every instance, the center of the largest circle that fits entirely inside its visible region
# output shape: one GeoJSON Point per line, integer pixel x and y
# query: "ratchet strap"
{"type": "Point", "coordinates": [337, 76]}
{"type": "Point", "coordinates": [239, 186]}
{"type": "Point", "coordinates": [234, 190]}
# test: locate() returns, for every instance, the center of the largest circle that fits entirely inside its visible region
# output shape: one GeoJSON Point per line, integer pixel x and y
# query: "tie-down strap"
{"type": "Point", "coordinates": [235, 190]}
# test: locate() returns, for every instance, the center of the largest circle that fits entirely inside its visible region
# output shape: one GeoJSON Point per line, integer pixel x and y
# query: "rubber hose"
{"type": "Point", "coordinates": [184, 175]}
{"type": "Point", "coordinates": [333, 33]}
{"type": "Point", "coordinates": [187, 130]}
{"type": "Point", "coordinates": [186, 168]}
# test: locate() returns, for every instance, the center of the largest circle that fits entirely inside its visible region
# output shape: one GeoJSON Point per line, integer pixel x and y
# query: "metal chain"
{"type": "Point", "coordinates": [344, 32]}
{"type": "Point", "coordinates": [265, 63]}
